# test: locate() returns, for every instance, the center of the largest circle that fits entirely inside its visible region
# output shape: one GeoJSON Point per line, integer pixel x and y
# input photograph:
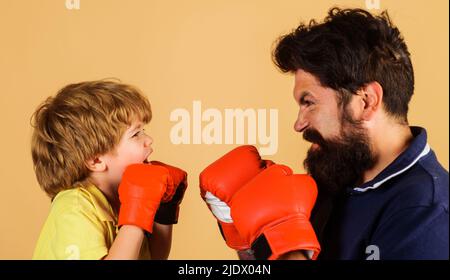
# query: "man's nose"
{"type": "Point", "coordinates": [301, 123]}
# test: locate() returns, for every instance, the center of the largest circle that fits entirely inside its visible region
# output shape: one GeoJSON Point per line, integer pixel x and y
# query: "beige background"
{"type": "Point", "coordinates": [215, 51]}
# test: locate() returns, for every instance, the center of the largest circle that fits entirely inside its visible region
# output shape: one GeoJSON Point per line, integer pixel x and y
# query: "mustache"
{"type": "Point", "coordinates": [314, 136]}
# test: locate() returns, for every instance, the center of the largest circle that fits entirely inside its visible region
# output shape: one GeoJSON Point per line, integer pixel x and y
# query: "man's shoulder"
{"type": "Point", "coordinates": [436, 172]}
{"type": "Point", "coordinates": [424, 185]}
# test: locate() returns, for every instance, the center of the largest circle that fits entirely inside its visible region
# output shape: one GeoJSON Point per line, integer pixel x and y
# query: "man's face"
{"type": "Point", "coordinates": [318, 106]}
{"type": "Point", "coordinates": [340, 150]}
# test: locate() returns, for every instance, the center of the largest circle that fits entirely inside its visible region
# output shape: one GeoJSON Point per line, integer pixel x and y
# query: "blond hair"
{"type": "Point", "coordinates": [82, 121]}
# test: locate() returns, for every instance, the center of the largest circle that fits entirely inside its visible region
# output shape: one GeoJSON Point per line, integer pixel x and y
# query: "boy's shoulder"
{"type": "Point", "coordinates": [88, 200]}
{"type": "Point", "coordinates": [78, 226]}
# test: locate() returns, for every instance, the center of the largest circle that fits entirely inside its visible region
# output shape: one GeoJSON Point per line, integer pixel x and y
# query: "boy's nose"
{"type": "Point", "coordinates": [148, 141]}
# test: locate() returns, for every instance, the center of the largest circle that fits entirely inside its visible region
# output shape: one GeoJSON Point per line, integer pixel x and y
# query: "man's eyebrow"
{"type": "Point", "coordinates": [306, 93]}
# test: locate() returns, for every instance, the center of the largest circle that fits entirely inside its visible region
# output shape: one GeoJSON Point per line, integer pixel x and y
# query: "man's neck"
{"type": "Point", "coordinates": [387, 144]}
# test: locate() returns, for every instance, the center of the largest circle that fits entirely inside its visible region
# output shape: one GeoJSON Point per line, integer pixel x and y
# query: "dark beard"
{"type": "Point", "coordinates": [339, 163]}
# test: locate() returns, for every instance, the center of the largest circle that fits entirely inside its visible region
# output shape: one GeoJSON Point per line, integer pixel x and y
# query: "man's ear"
{"type": "Point", "coordinates": [372, 97]}
{"type": "Point", "coordinates": [96, 164]}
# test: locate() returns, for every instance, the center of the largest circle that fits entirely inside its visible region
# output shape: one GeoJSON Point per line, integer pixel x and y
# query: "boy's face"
{"type": "Point", "coordinates": [134, 147]}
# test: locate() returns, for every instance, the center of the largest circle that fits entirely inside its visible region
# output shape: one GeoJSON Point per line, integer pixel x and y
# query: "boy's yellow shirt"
{"type": "Point", "coordinates": [81, 225]}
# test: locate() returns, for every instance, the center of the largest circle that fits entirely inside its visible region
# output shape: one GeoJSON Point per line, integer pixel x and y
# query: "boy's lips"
{"type": "Point", "coordinates": [146, 158]}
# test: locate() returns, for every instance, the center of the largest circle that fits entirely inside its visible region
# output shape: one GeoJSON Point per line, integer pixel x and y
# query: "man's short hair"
{"type": "Point", "coordinates": [347, 51]}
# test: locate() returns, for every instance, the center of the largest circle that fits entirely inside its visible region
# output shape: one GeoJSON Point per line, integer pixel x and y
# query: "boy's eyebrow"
{"type": "Point", "coordinates": [134, 127]}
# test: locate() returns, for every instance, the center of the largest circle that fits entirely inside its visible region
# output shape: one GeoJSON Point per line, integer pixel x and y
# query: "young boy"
{"type": "Point", "coordinates": [90, 151]}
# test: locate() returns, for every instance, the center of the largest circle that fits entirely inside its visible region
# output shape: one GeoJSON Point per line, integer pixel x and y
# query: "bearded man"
{"type": "Point", "coordinates": [382, 192]}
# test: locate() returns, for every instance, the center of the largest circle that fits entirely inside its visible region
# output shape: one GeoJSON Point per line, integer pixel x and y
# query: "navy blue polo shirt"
{"type": "Point", "coordinates": [401, 214]}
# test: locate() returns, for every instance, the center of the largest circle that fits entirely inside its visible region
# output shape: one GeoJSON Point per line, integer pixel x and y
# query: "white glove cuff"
{"type": "Point", "coordinates": [219, 208]}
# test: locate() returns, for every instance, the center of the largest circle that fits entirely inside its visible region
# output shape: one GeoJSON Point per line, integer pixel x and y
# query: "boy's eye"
{"type": "Point", "coordinates": [138, 133]}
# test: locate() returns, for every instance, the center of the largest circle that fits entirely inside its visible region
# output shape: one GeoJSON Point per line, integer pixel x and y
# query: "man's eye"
{"type": "Point", "coordinates": [306, 102]}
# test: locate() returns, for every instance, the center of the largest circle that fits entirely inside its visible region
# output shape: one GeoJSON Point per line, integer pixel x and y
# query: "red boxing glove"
{"type": "Point", "coordinates": [222, 179]}
{"type": "Point", "coordinates": [169, 209]}
{"type": "Point", "coordinates": [272, 213]}
{"type": "Point", "coordinates": [140, 193]}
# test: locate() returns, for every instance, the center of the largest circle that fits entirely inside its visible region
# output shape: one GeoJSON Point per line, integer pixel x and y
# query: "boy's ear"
{"type": "Point", "coordinates": [97, 164]}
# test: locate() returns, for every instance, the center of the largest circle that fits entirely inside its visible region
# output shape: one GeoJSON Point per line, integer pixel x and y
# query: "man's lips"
{"type": "Point", "coordinates": [315, 146]}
